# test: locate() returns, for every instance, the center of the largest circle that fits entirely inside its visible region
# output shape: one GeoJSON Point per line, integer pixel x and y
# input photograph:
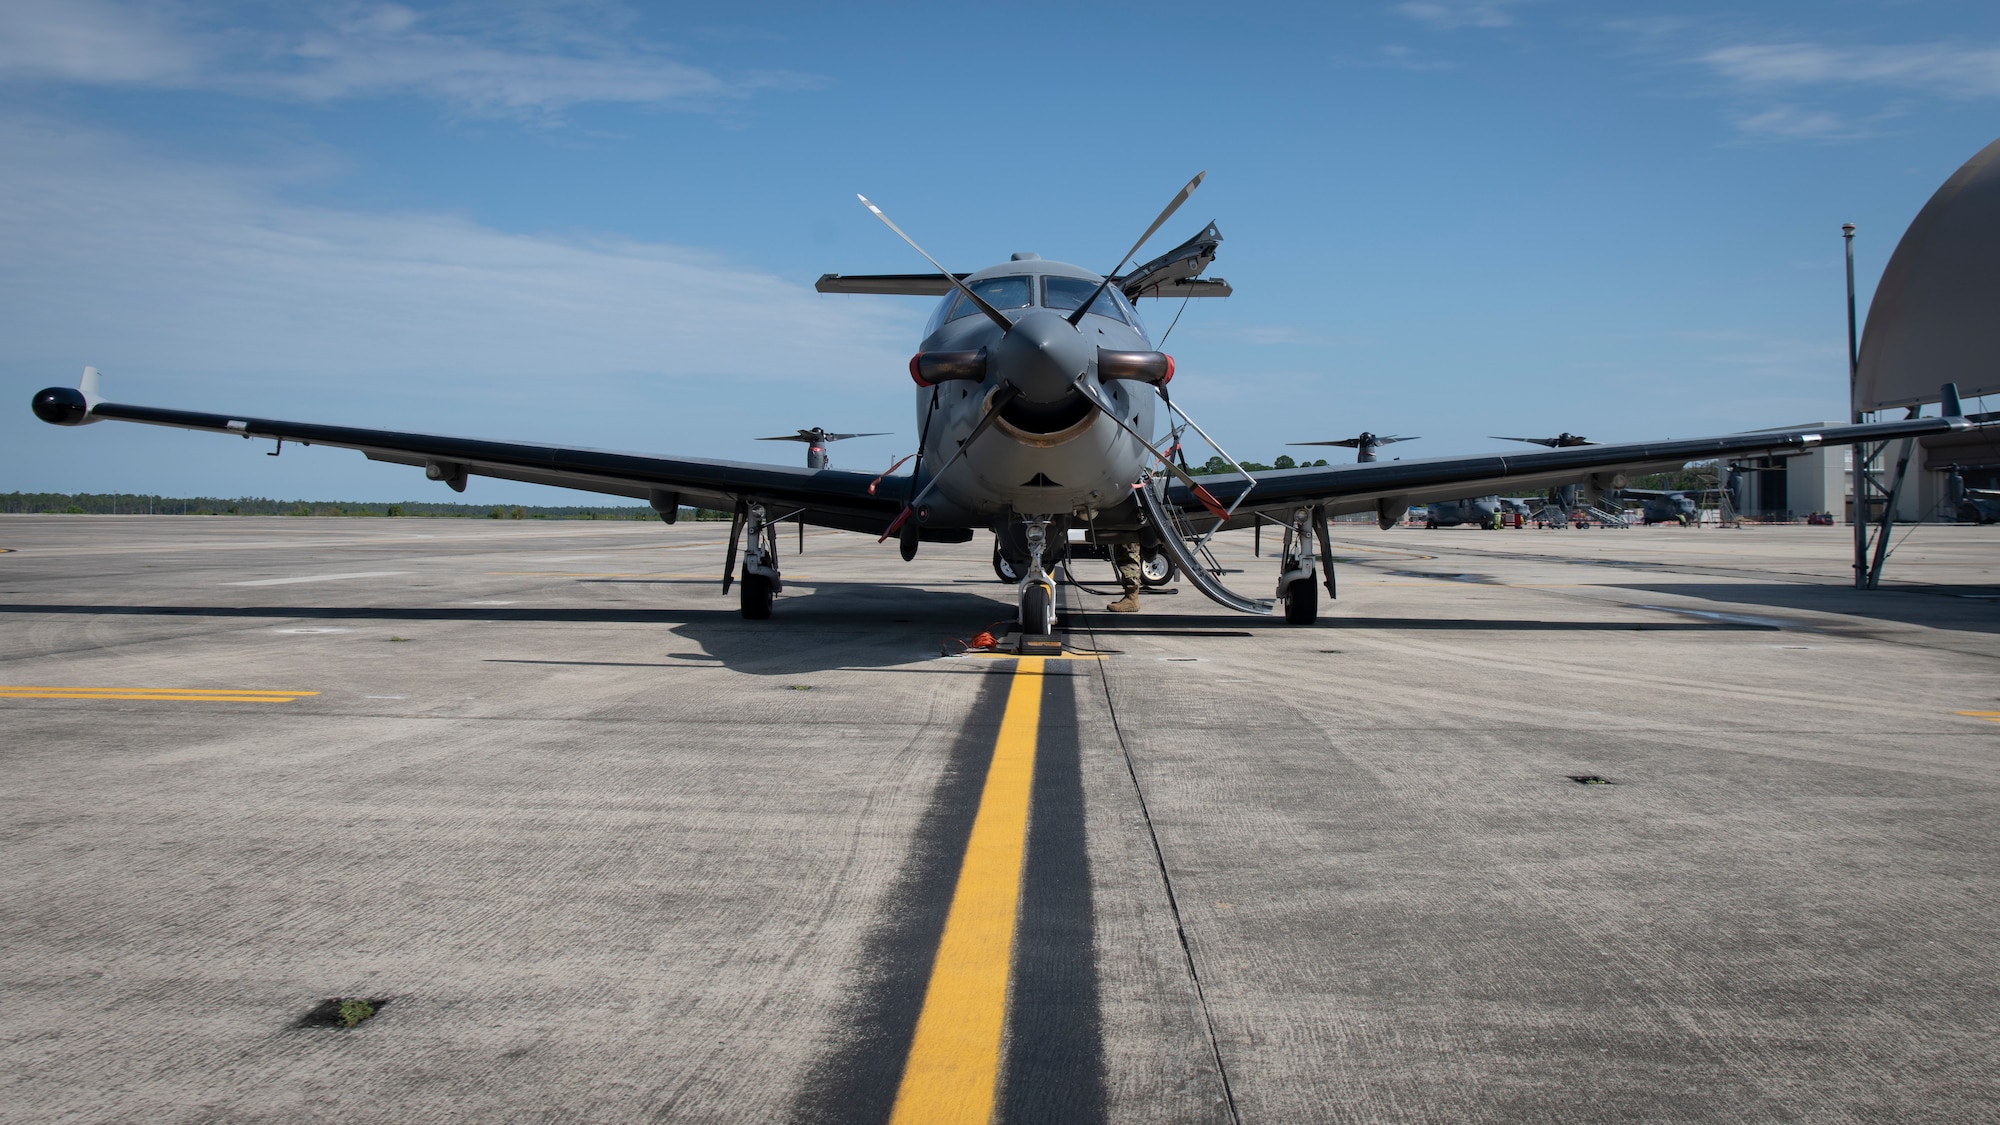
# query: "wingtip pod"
{"type": "Point", "coordinates": [68, 406]}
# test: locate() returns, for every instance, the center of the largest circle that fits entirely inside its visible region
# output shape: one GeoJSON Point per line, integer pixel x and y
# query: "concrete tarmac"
{"type": "Point", "coordinates": [606, 851]}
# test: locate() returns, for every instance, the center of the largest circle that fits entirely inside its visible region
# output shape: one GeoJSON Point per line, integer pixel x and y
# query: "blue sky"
{"type": "Point", "coordinates": [600, 224]}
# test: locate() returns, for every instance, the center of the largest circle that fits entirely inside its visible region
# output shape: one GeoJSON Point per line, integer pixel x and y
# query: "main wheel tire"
{"type": "Point", "coordinates": [1157, 568]}
{"type": "Point", "coordinates": [1301, 601]}
{"type": "Point", "coordinates": [1003, 569]}
{"type": "Point", "coordinates": [1035, 615]}
{"type": "Point", "coordinates": [757, 597]}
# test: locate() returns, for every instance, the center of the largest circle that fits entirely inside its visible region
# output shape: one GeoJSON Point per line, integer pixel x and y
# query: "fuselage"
{"type": "Point", "coordinates": [1051, 451]}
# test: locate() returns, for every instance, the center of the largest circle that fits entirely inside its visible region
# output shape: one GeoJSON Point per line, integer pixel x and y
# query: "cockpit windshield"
{"type": "Point", "coordinates": [1000, 292]}
{"type": "Point", "coordinates": [1064, 294]}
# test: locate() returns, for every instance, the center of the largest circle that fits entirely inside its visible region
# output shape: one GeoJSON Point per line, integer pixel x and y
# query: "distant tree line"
{"type": "Point", "coordinates": [135, 504]}
{"type": "Point", "coordinates": [1284, 461]}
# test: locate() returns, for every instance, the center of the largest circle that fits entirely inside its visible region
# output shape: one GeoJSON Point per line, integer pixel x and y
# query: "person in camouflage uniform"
{"type": "Point", "coordinates": [1126, 557]}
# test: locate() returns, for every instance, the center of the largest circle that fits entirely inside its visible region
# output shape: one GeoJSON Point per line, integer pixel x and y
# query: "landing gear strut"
{"type": "Point", "coordinates": [1296, 586]}
{"type": "Point", "coordinates": [760, 585]}
{"type": "Point", "coordinates": [1036, 594]}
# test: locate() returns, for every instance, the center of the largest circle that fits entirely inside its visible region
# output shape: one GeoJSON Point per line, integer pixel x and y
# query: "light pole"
{"type": "Point", "coordinates": [1858, 461]}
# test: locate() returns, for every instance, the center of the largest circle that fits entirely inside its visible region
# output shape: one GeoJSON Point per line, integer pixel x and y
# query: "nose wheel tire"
{"type": "Point", "coordinates": [757, 597]}
{"type": "Point", "coordinates": [1156, 568]}
{"type": "Point", "coordinates": [1301, 601]}
{"type": "Point", "coordinates": [1006, 571]}
{"type": "Point", "coordinates": [1037, 615]}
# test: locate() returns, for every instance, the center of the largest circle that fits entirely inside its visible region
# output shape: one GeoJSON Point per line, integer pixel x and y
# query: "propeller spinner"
{"type": "Point", "coordinates": [815, 440]}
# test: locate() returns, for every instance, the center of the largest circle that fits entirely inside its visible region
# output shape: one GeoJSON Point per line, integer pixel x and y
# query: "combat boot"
{"type": "Point", "coordinates": [1127, 604]}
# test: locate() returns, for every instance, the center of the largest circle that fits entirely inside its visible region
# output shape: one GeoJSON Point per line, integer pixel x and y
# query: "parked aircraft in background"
{"type": "Point", "coordinates": [815, 441]}
{"type": "Point", "coordinates": [1971, 505]}
{"type": "Point", "coordinates": [1364, 444]}
{"type": "Point", "coordinates": [1481, 512]}
{"type": "Point", "coordinates": [1560, 441]}
{"type": "Point", "coordinates": [1668, 505]}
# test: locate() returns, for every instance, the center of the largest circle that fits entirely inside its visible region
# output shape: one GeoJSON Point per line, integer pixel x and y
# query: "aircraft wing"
{"type": "Point", "coordinates": [1387, 487]}
{"type": "Point", "coordinates": [887, 284]}
{"type": "Point", "coordinates": [825, 497]}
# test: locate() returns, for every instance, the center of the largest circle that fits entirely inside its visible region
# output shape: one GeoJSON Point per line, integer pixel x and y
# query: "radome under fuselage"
{"type": "Point", "coordinates": [1051, 452]}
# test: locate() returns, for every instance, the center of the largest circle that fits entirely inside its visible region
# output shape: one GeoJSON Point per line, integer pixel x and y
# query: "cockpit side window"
{"type": "Point", "coordinates": [1064, 294]}
{"type": "Point", "coordinates": [1000, 292]}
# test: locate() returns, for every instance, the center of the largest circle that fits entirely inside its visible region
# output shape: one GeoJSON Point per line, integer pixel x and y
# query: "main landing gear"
{"type": "Point", "coordinates": [760, 585]}
{"type": "Point", "coordinates": [1297, 590]}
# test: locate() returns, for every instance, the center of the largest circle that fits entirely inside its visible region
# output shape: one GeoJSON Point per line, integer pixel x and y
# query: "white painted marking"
{"type": "Point", "coordinates": [489, 603]}
{"type": "Point", "coordinates": [314, 629]}
{"type": "Point", "coordinates": [318, 578]}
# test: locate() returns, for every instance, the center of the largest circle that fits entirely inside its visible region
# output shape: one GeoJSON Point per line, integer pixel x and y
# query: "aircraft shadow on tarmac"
{"type": "Point", "coordinates": [1196, 624]}
{"type": "Point", "coordinates": [1968, 609]}
{"type": "Point", "coordinates": [859, 625]}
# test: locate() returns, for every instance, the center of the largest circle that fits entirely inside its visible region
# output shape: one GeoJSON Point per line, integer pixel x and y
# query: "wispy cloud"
{"type": "Point", "coordinates": [111, 256]}
{"type": "Point", "coordinates": [536, 63]}
{"type": "Point", "coordinates": [1775, 84]}
{"type": "Point", "coordinates": [1947, 69]}
{"type": "Point", "coordinates": [1405, 58]}
{"type": "Point", "coordinates": [1449, 14]}
{"type": "Point", "coordinates": [1793, 123]}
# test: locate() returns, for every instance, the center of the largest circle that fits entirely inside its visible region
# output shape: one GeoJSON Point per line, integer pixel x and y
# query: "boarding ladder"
{"type": "Point", "coordinates": [1191, 554]}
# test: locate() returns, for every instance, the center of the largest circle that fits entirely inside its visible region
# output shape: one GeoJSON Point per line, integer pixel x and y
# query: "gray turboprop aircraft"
{"type": "Point", "coordinates": [1037, 402]}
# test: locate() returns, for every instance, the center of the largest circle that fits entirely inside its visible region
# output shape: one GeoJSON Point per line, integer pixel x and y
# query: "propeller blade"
{"type": "Point", "coordinates": [844, 437]}
{"type": "Point", "coordinates": [790, 437]}
{"type": "Point", "coordinates": [1346, 443]}
{"type": "Point", "coordinates": [992, 313]}
{"type": "Point", "coordinates": [1201, 494]}
{"type": "Point", "coordinates": [1077, 316]}
{"type": "Point", "coordinates": [1007, 394]}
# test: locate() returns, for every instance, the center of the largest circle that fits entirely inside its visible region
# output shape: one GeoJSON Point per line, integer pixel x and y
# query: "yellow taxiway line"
{"type": "Point", "coordinates": [214, 695]}
{"type": "Point", "coordinates": [1989, 716]}
{"type": "Point", "coordinates": [954, 1059]}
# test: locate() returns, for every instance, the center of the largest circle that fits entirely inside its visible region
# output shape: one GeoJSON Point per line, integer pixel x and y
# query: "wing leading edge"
{"type": "Point", "coordinates": [1385, 486]}
{"type": "Point", "coordinates": [824, 497]}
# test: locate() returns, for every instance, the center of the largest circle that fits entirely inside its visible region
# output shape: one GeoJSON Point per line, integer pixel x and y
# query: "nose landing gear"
{"type": "Point", "coordinates": [1036, 593]}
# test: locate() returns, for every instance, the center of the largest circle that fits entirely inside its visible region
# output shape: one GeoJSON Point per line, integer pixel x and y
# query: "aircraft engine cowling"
{"type": "Point", "coordinates": [62, 406]}
{"type": "Point", "coordinates": [1156, 368]}
{"type": "Point", "coordinates": [929, 369]}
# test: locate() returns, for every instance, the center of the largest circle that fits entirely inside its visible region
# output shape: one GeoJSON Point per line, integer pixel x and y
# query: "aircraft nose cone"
{"type": "Point", "coordinates": [1042, 355]}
